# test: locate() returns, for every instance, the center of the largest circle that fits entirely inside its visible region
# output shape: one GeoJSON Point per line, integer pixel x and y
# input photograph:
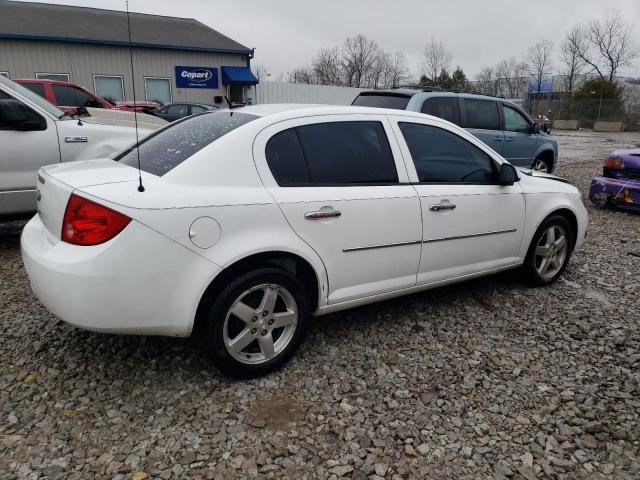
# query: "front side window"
{"type": "Point", "coordinates": [178, 110]}
{"type": "Point", "coordinates": [198, 109]}
{"type": "Point", "coordinates": [441, 156]}
{"type": "Point", "coordinates": [169, 147]}
{"type": "Point", "coordinates": [334, 153]}
{"type": "Point", "coordinates": [482, 114]}
{"type": "Point", "coordinates": [514, 121]}
{"type": "Point", "coordinates": [14, 113]}
{"type": "Point", "coordinates": [73, 97]}
{"type": "Point", "coordinates": [60, 77]}
{"type": "Point", "coordinates": [32, 97]}
{"type": "Point", "coordinates": [442, 107]}
{"type": "Point", "coordinates": [109, 87]}
{"type": "Point", "coordinates": [37, 88]}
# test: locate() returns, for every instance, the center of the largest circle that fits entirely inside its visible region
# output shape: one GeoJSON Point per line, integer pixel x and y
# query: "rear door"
{"type": "Point", "coordinates": [471, 224]}
{"type": "Point", "coordinates": [481, 117]}
{"type": "Point", "coordinates": [341, 183]}
{"type": "Point", "coordinates": [519, 140]}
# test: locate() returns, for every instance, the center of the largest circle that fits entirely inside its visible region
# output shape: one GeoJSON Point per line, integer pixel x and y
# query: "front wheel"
{"type": "Point", "coordinates": [256, 323]}
{"type": "Point", "coordinates": [541, 165]}
{"type": "Point", "coordinates": [549, 252]}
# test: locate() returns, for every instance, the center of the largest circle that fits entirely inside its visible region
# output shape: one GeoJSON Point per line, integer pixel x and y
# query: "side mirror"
{"type": "Point", "coordinates": [508, 174]}
{"type": "Point", "coordinates": [15, 115]}
{"type": "Point", "coordinates": [536, 128]}
{"type": "Point", "coordinates": [82, 111]}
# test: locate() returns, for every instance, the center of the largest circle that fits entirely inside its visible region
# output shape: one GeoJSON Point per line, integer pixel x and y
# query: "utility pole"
{"type": "Point", "coordinates": [600, 105]}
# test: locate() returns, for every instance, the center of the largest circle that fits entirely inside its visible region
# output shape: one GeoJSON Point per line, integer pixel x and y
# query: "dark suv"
{"type": "Point", "coordinates": [499, 123]}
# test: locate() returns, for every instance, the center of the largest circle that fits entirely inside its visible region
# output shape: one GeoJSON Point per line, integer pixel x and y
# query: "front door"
{"type": "Point", "coordinates": [341, 183]}
{"type": "Point", "coordinates": [22, 153]}
{"type": "Point", "coordinates": [470, 223]}
{"type": "Point", "coordinates": [519, 140]}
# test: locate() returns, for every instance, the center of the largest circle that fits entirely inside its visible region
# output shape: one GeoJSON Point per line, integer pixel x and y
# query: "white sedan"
{"type": "Point", "coordinates": [253, 219]}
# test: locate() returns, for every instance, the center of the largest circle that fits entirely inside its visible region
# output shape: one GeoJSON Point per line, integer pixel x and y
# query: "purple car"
{"type": "Point", "coordinates": [619, 184]}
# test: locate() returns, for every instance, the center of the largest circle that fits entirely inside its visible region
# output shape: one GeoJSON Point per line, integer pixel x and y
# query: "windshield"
{"type": "Point", "coordinates": [398, 102]}
{"type": "Point", "coordinates": [32, 97]}
{"type": "Point", "coordinates": [169, 147]}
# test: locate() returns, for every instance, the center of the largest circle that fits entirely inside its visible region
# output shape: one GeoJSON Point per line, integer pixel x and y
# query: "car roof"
{"type": "Point", "coordinates": [293, 110]}
{"type": "Point", "coordinates": [44, 80]}
{"type": "Point", "coordinates": [411, 91]}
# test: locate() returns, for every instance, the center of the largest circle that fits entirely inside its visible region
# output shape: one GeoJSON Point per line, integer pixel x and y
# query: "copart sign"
{"type": "Point", "coordinates": [196, 77]}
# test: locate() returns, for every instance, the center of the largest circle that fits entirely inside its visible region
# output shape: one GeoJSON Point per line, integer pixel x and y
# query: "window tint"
{"type": "Point", "coordinates": [286, 160]}
{"type": "Point", "coordinates": [348, 152]}
{"type": "Point", "coordinates": [443, 107]}
{"type": "Point", "coordinates": [73, 97]}
{"type": "Point", "coordinates": [482, 114]}
{"type": "Point", "coordinates": [172, 145]}
{"type": "Point", "coordinates": [198, 109]}
{"type": "Point", "coordinates": [177, 110]}
{"type": "Point", "coordinates": [37, 88]}
{"type": "Point", "coordinates": [12, 111]}
{"type": "Point", "coordinates": [444, 157]}
{"type": "Point", "coordinates": [514, 121]}
{"type": "Point", "coordinates": [398, 102]}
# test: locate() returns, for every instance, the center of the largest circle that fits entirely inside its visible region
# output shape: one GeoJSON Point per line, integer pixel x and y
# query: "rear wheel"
{"type": "Point", "coordinates": [549, 252]}
{"type": "Point", "coordinates": [256, 323]}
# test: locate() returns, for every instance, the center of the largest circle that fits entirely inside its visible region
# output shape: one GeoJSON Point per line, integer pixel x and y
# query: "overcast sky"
{"type": "Point", "coordinates": [287, 33]}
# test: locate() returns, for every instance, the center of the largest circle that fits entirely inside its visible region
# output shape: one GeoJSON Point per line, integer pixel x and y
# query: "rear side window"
{"type": "Point", "coordinates": [442, 107]}
{"type": "Point", "coordinates": [482, 114]}
{"type": "Point", "coordinates": [333, 153]}
{"type": "Point", "coordinates": [399, 102]}
{"type": "Point", "coordinates": [37, 88]}
{"type": "Point", "coordinates": [169, 147]}
{"type": "Point", "coordinates": [441, 156]}
{"type": "Point", "coordinates": [286, 160]}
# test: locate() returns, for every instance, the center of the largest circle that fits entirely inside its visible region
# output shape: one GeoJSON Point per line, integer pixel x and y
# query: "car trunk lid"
{"type": "Point", "coordinates": [57, 182]}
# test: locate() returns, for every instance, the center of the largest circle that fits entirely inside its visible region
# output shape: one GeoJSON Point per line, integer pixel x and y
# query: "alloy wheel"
{"type": "Point", "coordinates": [260, 324]}
{"type": "Point", "coordinates": [551, 252]}
{"type": "Point", "coordinates": [540, 165]}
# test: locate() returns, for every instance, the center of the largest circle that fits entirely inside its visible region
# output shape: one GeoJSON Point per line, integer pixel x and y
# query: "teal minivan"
{"type": "Point", "coordinates": [499, 123]}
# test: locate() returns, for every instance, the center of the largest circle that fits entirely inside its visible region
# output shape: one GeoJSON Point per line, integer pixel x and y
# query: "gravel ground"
{"type": "Point", "coordinates": [486, 379]}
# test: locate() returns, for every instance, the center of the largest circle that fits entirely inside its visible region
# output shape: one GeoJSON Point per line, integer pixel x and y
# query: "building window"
{"type": "Point", "coordinates": [157, 89]}
{"type": "Point", "coordinates": [61, 77]}
{"type": "Point", "coordinates": [109, 87]}
{"type": "Point", "coordinates": [5, 74]}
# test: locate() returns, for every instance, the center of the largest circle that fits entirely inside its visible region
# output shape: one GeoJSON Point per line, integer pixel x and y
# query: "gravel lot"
{"type": "Point", "coordinates": [486, 379]}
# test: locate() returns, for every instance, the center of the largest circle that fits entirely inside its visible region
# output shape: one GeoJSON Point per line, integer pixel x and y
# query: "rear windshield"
{"type": "Point", "coordinates": [172, 145]}
{"type": "Point", "coordinates": [399, 102]}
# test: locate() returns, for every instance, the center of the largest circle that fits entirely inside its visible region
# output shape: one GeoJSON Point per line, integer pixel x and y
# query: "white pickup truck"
{"type": "Point", "coordinates": [34, 133]}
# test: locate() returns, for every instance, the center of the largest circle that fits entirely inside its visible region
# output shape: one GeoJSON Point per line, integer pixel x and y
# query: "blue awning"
{"type": "Point", "coordinates": [238, 76]}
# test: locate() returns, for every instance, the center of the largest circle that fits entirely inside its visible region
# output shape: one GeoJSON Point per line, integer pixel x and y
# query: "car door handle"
{"type": "Point", "coordinates": [509, 139]}
{"type": "Point", "coordinates": [321, 214]}
{"type": "Point", "coordinates": [436, 207]}
{"type": "Point", "coordinates": [499, 139]}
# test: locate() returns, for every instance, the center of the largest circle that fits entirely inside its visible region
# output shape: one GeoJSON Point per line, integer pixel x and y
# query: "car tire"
{"type": "Point", "coordinates": [542, 165]}
{"type": "Point", "coordinates": [548, 255]}
{"type": "Point", "coordinates": [247, 332]}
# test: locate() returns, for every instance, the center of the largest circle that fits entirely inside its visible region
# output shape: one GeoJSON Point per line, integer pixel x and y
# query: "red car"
{"type": "Point", "coordinates": [67, 96]}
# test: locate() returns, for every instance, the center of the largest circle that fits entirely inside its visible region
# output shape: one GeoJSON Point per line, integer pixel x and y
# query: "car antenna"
{"type": "Point", "coordinates": [135, 110]}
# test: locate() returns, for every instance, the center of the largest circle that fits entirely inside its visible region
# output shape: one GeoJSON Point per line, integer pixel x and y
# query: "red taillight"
{"type": "Point", "coordinates": [89, 223]}
{"type": "Point", "coordinates": [614, 162]}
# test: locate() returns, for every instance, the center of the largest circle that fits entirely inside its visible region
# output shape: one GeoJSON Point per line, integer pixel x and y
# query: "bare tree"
{"type": "Point", "coordinates": [607, 45]}
{"type": "Point", "coordinates": [397, 71]}
{"type": "Point", "coordinates": [539, 57]}
{"type": "Point", "coordinates": [511, 77]}
{"type": "Point", "coordinates": [326, 67]}
{"type": "Point", "coordinates": [486, 81]}
{"type": "Point", "coordinates": [435, 59]}
{"type": "Point", "coordinates": [359, 58]}
{"type": "Point", "coordinates": [260, 71]}
{"type": "Point", "coordinates": [301, 75]}
{"type": "Point", "coordinates": [570, 56]}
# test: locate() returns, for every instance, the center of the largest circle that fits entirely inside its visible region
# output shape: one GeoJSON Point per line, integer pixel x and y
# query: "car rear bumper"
{"type": "Point", "coordinates": [621, 193]}
{"type": "Point", "coordinates": [139, 282]}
